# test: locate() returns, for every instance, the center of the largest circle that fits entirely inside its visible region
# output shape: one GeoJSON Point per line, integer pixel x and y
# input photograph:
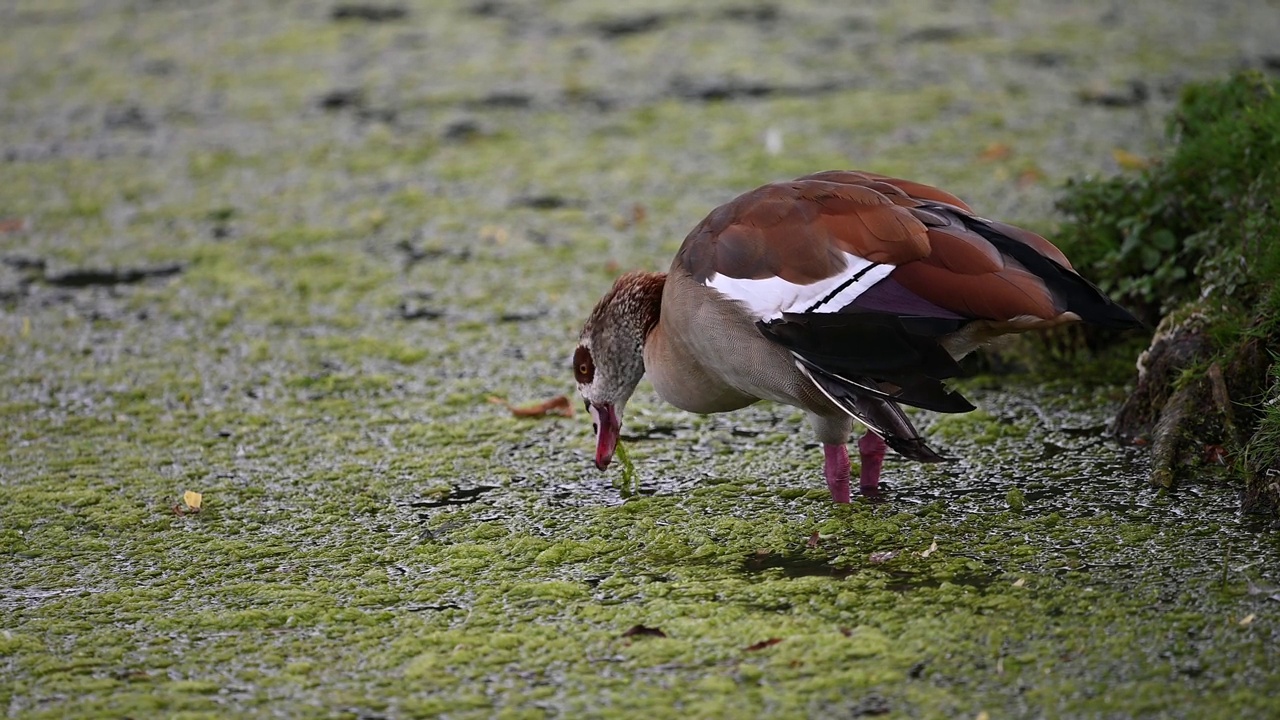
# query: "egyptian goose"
{"type": "Point", "coordinates": [841, 293]}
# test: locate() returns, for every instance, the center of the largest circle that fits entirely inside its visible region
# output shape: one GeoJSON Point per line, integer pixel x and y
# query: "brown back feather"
{"type": "Point", "coordinates": [800, 230]}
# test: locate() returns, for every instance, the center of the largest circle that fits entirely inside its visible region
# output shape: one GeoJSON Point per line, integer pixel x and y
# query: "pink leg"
{"type": "Point", "coordinates": [835, 468]}
{"type": "Point", "coordinates": [872, 448]}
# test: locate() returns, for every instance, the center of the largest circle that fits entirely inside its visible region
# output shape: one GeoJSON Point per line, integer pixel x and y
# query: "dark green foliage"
{"type": "Point", "coordinates": [1156, 240]}
{"type": "Point", "coordinates": [1200, 232]}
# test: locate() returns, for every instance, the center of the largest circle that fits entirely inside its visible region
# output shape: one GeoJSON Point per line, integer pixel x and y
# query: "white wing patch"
{"type": "Point", "coordinates": [768, 298]}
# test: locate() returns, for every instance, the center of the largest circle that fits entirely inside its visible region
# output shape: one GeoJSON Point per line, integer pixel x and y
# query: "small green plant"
{"type": "Point", "coordinates": [1261, 457]}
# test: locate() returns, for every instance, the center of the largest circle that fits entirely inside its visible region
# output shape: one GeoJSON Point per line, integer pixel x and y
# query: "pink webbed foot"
{"type": "Point", "coordinates": [872, 448]}
{"type": "Point", "coordinates": [835, 468]}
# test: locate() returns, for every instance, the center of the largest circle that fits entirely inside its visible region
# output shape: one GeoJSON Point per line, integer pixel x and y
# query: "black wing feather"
{"type": "Point", "coordinates": [884, 417]}
{"type": "Point", "coordinates": [865, 350]}
{"type": "Point", "coordinates": [868, 362]}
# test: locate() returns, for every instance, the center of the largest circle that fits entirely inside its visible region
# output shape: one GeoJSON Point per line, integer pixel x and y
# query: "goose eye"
{"type": "Point", "coordinates": [584, 369]}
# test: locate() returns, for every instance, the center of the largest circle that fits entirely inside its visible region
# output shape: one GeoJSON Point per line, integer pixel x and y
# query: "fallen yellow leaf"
{"type": "Point", "coordinates": [192, 499]}
{"type": "Point", "coordinates": [495, 233]}
{"type": "Point", "coordinates": [1019, 582]}
{"type": "Point", "coordinates": [1030, 176]}
{"type": "Point", "coordinates": [1247, 619]}
{"type": "Point", "coordinates": [1129, 161]}
{"type": "Point", "coordinates": [558, 405]}
{"type": "Point", "coordinates": [932, 548]}
{"type": "Point", "coordinates": [995, 151]}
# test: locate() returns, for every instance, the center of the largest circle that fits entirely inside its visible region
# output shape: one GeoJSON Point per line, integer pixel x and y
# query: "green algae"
{"type": "Point", "coordinates": [978, 426]}
{"type": "Point", "coordinates": [377, 539]}
{"type": "Point", "coordinates": [630, 482]}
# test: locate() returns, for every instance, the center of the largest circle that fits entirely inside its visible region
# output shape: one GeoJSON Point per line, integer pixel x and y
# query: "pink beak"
{"type": "Point", "coordinates": [608, 426]}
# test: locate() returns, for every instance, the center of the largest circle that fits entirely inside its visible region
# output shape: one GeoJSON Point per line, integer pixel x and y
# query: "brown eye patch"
{"type": "Point", "coordinates": [584, 368]}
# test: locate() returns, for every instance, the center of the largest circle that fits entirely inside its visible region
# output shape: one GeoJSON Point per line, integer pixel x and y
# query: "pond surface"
{"type": "Point", "coordinates": [296, 257]}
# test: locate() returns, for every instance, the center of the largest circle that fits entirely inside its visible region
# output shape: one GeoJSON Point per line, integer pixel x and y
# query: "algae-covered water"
{"type": "Point", "coordinates": [284, 255]}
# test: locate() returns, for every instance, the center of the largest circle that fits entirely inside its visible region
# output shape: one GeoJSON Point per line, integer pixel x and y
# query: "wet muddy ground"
{"type": "Point", "coordinates": [284, 254]}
